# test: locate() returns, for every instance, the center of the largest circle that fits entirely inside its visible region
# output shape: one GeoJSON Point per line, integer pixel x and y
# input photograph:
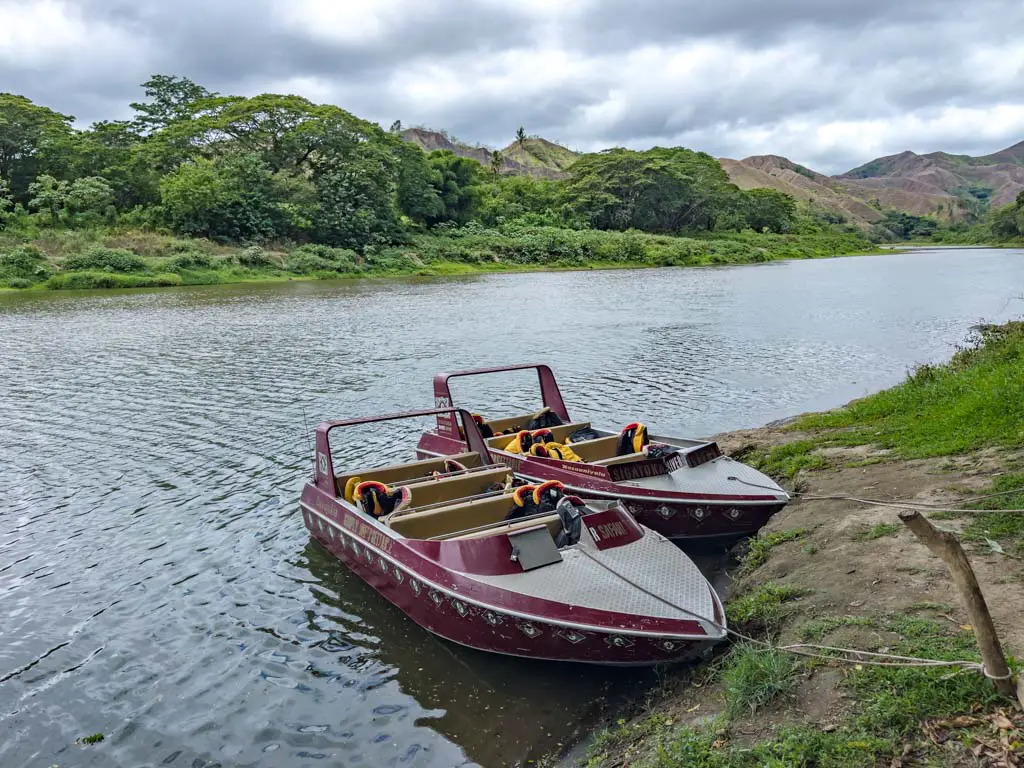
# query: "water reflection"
{"type": "Point", "coordinates": [500, 710]}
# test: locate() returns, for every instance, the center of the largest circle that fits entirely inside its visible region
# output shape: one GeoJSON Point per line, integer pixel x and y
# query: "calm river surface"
{"type": "Point", "coordinates": [157, 584]}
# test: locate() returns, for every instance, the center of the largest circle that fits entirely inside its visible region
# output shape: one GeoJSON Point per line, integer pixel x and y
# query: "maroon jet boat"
{"type": "Point", "coordinates": [681, 488]}
{"type": "Point", "coordinates": [519, 570]}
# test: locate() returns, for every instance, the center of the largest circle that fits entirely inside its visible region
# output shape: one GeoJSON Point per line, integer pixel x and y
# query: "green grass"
{"type": "Point", "coordinates": [754, 676]}
{"type": "Point", "coordinates": [759, 549]}
{"type": "Point", "coordinates": [785, 461]}
{"type": "Point", "coordinates": [1006, 528]}
{"type": "Point", "coordinates": [761, 607]}
{"type": "Point", "coordinates": [887, 706]}
{"type": "Point", "coordinates": [878, 531]}
{"type": "Point", "coordinates": [974, 401]}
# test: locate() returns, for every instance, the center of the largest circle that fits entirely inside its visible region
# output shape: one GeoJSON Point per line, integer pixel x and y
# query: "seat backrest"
{"type": "Point", "coordinates": [450, 519]}
{"type": "Point", "coordinates": [455, 488]}
{"type": "Point", "coordinates": [559, 434]}
{"type": "Point", "coordinates": [627, 459]}
{"type": "Point", "coordinates": [595, 450]}
{"type": "Point", "coordinates": [552, 521]}
{"type": "Point", "coordinates": [397, 472]}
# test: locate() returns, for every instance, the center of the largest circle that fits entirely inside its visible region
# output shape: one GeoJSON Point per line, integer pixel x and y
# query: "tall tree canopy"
{"type": "Point", "coordinates": [660, 190]}
{"type": "Point", "coordinates": [280, 166]}
{"type": "Point", "coordinates": [29, 134]}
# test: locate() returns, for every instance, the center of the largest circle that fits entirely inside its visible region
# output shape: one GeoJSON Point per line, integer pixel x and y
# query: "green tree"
{"type": "Point", "coordinates": [497, 162]}
{"type": "Point", "coordinates": [6, 201]}
{"type": "Point", "coordinates": [231, 198]}
{"type": "Point", "coordinates": [114, 151]}
{"type": "Point", "coordinates": [89, 196]}
{"type": "Point", "coordinates": [396, 127]}
{"type": "Point", "coordinates": [520, 199]}
{"type": "Point", "coordinates": [29, 135]}
{"type": "Point", "coordinates": [48, 194]}
{"type": "Point", "coordinates": [660, 190]}
{"type": "Point", "coordinates": [521, 136]}
{"type": "Point", "coordinates": [171, 99]}
{"type": "Point", "coordinates": [769, 209]}
{"type": "Point", "coordinates": [418, 184]}
{"type": "Point", "coordinates": [457, 185]}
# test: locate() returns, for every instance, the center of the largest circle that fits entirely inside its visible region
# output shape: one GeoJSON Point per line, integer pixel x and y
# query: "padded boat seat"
{"type": "Point", "coordinates": [553, 523]}
{"type": "Point", "coordinates": [559, 433]}
{"type": "Point", "coordinates": [621, 459]}
{"type": "Point", "coordinates": [455, 488]}
{"type": "Point", "coordinates": [453, 518]}
{"type": "Point", "coordinates": [596, 450]}
{"type": "Point", "coordinates": [398, 472]}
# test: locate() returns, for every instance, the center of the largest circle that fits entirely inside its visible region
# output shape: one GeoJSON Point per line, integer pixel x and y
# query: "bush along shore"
{"type": "Point", "coordinates": [94, 258]}
{"type": "Point", "coordinates": [834, 572]}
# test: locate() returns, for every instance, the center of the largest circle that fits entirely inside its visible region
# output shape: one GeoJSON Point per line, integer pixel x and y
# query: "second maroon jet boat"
{"type": "Point", "coordinates": [682, 488]}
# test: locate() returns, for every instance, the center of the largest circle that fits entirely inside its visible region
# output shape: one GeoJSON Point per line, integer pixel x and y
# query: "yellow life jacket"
{"type": "Point", "coordinates": [520, 443]}
{"type": "Point", "coordinates": [632, 439]}
{"type": "Point", "coordinates": [562, 452]}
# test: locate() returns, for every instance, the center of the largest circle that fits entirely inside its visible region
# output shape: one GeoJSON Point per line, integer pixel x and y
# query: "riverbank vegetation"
{"type": "Point", "coordinates": [202, 187]}
{"type": "Point", "coordinates": [837, 573]}
{"type": "Point", "coordinates": [1002, 226]}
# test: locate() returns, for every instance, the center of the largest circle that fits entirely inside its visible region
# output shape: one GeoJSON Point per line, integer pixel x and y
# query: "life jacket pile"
{"type": "Point", "coordinates": [541, 442]}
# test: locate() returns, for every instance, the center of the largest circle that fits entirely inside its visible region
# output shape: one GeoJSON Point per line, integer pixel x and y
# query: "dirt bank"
{"type": "Point", "coordinates": [841, 573]}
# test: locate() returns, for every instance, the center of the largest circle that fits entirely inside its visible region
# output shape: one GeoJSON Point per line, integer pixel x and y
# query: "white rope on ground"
{"type": "Point", "coordinates": [897, 503]}
{"type": "Point", "coordinates": [799, 648]}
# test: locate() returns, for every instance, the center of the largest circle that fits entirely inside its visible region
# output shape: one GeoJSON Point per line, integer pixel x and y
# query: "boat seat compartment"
{"type": "Point", "coordinates": [596, 450]}
{"type": "Point", "coordinates": [457, 487]}
{"type": "Point", "coordinates": [431, 523]}
{"type": "Point", "coordinates": [506, 423]}
{"type": "Point", "coordinates": [463, 520]}
{"type": "Point", "coordinates": [553, 523]}
{"type": "Point", "coordinates": [559, 433]}
{"type": "Point", "coordinates": [398, 472]}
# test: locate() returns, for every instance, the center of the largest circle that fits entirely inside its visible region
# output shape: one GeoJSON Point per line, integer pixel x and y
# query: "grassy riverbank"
{"type": "Point", "coordinates": [842, 574]}
{"type": "Point", "coordinates": [93, 258]}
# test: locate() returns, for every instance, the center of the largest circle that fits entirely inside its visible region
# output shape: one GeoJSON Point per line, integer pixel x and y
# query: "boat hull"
{"type": "Point", "coordinates": [453, 614]}
{"type": "Point", "coordinates": [704, 517]}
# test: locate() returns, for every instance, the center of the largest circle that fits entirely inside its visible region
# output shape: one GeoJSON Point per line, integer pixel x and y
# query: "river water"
{"type": "Point", "coordinates": [157, 584]}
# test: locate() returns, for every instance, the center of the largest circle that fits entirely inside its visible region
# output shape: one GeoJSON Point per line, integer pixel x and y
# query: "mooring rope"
{"type": "Point", "coordinates": [798, 649]}
{"type": "Point", "coordinates": [895, 503]}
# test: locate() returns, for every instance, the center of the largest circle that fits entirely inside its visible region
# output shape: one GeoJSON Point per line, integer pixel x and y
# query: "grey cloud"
{"type": "Point", "coordinates": [867, 60]}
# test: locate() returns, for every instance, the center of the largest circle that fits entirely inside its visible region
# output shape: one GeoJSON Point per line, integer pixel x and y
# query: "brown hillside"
{"type": "Point", "coordinates": [536, 157]}
{"type": "Point", "coordinates": [994, 179]}
{"type": "Point", "coordinates": [816, 189]}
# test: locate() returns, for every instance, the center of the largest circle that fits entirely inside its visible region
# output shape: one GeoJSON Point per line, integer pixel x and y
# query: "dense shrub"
{"type": "Point", "coordinates": [254, 257]}
{"type": "Point", "coordinates": [25, 263]}
{"type": "Point", "coordinates": [19, 282]}
{"type": "Point", "coordinates": [103, 259]}
{"type": "Point", "coordinates": [193, 260]}
{"type": "Point", "coordinates": [306, 263]}
{"type": "Point", "coordinates": [342, 259]}
{"type": "Point", "coordinates": [82, 280]}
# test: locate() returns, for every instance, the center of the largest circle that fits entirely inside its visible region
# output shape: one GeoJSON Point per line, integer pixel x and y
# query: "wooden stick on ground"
{"type": "Point", "coordinates": [947, 547]}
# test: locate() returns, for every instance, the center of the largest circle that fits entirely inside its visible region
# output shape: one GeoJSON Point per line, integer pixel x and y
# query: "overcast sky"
{"type": "Point", "coordinates": [828, 83]}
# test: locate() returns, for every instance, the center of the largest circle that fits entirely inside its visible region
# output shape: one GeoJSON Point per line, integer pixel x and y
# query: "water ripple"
{"type": "Point", "coordinates": [157, 584]}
